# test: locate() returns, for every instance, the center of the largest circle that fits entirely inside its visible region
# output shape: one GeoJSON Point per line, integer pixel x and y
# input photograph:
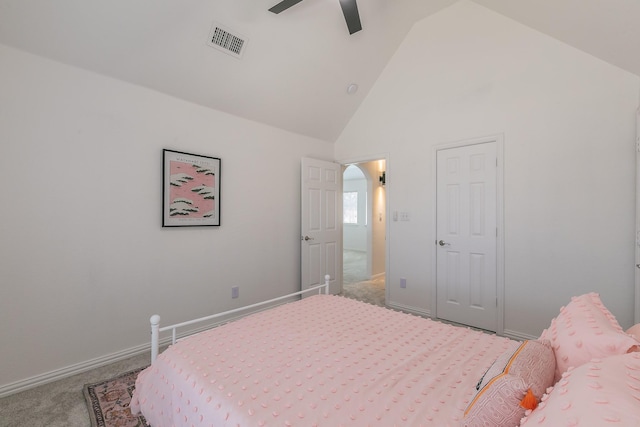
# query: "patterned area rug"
{"type": "Point", "coordinates": [109, 400]}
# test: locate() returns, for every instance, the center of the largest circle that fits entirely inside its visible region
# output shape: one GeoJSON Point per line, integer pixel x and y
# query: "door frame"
{"type": "Point", "coordinates": [636, 300]}
{"type": "Point", "coordinates": [369, 231]}
{"type": "Point", "coordinates": [499, 140]}
{"type": "Point", "coordinates": [365, 159]}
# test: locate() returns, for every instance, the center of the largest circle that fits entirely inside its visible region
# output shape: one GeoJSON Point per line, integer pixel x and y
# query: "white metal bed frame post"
{"type": "Point", "coordinates": [155, 335]}
{"type": "Point", "coordinates": [155, 319]}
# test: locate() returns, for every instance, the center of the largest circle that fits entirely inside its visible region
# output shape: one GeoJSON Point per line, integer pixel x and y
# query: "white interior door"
{"type": "Point", "coordinates": [466, 226]}
{"type": "Point", "coordinates": [321, 223]}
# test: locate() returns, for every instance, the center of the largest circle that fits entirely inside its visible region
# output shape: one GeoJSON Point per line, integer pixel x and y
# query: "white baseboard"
{"type": "Point", "coordinates": [58, 374]}
{"type": "Point", "coordinates": [409, 309]}
{"type": "Point", "coordinates": [515, 335]}
{"type": "Point", "coordinates": [519, 336]}
{"type": "Point", "coordinates": [377, 276]}
{"type": "Point", "coordinates": [78, 368]}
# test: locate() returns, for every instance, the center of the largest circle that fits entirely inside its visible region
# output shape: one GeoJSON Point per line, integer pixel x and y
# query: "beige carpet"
{"type": "Point", "coordinates": [354, 266]}
{"type": "Point", "coordinates": [370, 291]}
{"type": "Point", "coordinates": [356, 283]}
{"type": "Point", "coordinates": [60, 403]}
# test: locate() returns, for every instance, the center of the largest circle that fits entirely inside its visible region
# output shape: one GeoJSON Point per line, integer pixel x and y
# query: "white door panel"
{"type": "Point", "coordinates": [466, 217]}
{"type": "Point", "coordinates": [321, 224]}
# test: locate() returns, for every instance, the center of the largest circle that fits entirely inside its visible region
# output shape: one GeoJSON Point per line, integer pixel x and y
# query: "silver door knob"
{"type": "Point", "coordinates": [443, 243]}
{"type": "Point", "coordinates": [307, 238]}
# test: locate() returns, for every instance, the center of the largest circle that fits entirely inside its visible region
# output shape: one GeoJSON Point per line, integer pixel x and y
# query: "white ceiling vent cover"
{"type": "Point", "coordinates": [225, 40]}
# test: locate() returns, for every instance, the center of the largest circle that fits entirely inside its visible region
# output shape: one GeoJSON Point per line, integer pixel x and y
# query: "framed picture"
{"type": "Point", "coordinates": [191, 190]}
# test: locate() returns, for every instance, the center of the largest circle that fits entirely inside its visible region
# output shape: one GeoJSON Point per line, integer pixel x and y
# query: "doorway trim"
{"type": "Point", "coordinates": [368, 243]}
{"type": "Point", "coordinates": [499, 140]}
{"type": "Point", "coordinates": [365, 159]}
{"type": "Point", "coordinates": [636, 269]}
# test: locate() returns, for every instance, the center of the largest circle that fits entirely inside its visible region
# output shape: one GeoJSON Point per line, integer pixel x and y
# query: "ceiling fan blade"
{"type": "Point", "coordinates": [351, 15]}
{"type": "Point", "coordinates": [284, 5]}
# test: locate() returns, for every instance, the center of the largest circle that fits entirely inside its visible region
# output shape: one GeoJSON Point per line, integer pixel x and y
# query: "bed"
{"type": "Point", "coordinates": [331, 361]}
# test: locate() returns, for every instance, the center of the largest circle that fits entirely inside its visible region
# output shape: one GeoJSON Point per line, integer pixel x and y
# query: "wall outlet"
{"type": "Point", "coordinates": [235, 292]}
{"type": "Point", "coordinates": [404, 216]}
{"type": "Point", "coordinates": [403, 282]}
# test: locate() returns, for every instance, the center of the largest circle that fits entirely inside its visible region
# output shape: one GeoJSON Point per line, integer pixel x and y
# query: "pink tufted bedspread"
{"type": "Point", "coordinates": [322, 361]}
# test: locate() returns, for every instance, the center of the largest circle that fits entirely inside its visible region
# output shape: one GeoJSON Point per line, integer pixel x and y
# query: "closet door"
{"type": "Point", "coordinates": [467, 238]}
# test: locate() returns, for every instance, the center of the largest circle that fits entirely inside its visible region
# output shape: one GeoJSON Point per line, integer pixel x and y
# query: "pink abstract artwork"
{"type": "Point", "coordinates": [191, 193]}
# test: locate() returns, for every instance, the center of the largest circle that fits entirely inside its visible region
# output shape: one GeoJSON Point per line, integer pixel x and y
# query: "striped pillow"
{"type": "Point", "coordinates": [528, 369]}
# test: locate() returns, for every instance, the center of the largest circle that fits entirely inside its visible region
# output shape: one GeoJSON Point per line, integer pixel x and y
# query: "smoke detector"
{"type": "Point", "coordinates": [226, 40]}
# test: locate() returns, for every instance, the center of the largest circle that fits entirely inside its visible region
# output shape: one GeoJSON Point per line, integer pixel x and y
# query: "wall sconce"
{"type": "Point", "coordinates": [383, 179]}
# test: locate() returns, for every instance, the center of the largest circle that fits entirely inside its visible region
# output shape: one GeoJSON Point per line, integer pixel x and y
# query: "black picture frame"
{"type": "Point", "coordinates": [191, 189]}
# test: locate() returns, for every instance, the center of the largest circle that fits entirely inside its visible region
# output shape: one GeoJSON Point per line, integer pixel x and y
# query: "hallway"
{"type": "Point", "coordinates": [356, 284]}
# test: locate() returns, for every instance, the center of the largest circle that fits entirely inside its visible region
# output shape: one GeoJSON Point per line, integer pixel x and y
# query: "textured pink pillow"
{"type": "Point", "coordinates": [528, 366]}
{"type": "Point", "coordinates": [498, 403]}
{"type": "Point", "coordinates": [585, 329]}
{"type": "Point", "coordinates": [602, 392]}
{"type": "Point", "coordinates": [634, 331]}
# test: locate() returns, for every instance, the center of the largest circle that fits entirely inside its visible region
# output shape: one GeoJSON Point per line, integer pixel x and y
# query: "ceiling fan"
{"type": "Point", "coordinates": [349, 9]}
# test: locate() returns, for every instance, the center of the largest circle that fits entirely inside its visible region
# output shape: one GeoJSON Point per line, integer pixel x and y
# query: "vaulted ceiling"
{"type": "Point", "coordinates": [296, 66]}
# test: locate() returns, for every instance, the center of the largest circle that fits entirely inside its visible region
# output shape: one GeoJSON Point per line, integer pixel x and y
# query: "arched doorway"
{"type": "Point", "coordinates": [364, 231]}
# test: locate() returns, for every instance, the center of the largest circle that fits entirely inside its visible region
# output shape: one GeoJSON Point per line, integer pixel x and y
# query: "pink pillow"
{"type": "Point", "coordinates": [497, 404]}
{"type": "Point", "coordinates": [585, 329]}
{"type": "Point", "coordinates": [634, 331]}
{"type": "Point", "coordinates": [528, 366]}
{"type": "Point", "coordinates": [602, 392]}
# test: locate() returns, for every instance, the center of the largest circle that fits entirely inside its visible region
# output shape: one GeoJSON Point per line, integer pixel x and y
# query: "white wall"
{"type": "Point", "coordinates": [84, 260]}
{"type": "Point", "coordinates": [568, 124]}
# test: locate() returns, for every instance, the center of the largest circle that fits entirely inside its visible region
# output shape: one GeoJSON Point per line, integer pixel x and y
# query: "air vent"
{"type": "Point", "coordinates": [223, 39]}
